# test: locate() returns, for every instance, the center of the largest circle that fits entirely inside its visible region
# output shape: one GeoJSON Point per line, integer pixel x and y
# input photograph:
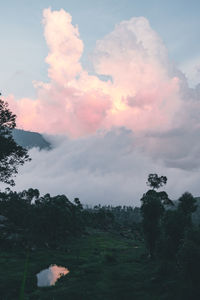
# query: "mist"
{"type": "Point", "coordinates": [107, 168]}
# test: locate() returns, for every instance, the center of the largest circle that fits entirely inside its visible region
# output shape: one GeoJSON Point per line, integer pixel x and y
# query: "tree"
{"type": "Point", "coordinates": [30, 195]}
{"type": "Point", "coordinates": [156, 182]}
{"type": "Point", "coordinates": [176, 224]}
{"type": "Point", "coordinates": [173, 225]}
{"type": "Point", "coordinates": [152, 210]}
{"type": "Point", "coordinates": [11, 154]}
{"type": "Point", "coordinates": [187, 203]}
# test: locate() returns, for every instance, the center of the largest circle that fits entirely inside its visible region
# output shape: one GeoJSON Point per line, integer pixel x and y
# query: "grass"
{"type": "Point", "coordinates": [102, 266]}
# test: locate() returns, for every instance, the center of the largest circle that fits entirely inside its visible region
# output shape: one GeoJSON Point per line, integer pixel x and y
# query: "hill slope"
{"type": "Point", "coordinates": [29, 139]}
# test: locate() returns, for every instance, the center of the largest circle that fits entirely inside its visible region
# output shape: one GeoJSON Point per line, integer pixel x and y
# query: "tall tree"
{"type": "Point", "coordinates": [152, 210]}
{"type": "Point", "coordinates": [187, 203]}
{"type": "Point", "coordinates": [11, 154]}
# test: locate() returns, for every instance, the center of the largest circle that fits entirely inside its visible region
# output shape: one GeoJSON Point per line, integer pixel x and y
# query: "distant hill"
{"type": "Point", "coordinates": [29, 139]}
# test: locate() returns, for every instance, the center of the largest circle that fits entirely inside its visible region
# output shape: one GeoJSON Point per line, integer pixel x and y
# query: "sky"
{"type": "Point", "coordinates": [177, 23]}
{"type": "Point", "coordinates": [114, 85]}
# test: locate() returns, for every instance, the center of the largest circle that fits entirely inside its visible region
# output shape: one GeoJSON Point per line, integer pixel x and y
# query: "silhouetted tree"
{"type": "Point", "coordinates": [173, 226]}
{"type": "Point", "coordinates": [187, 205]}
{"type": "Point", "coordinates": [78, 203]}
{"type": "Point", "coordinates": [155, 181]}
{"type": "Point", "coordinates": [152, 210]}
{"type": "Point", "coordinates": [11, 154]}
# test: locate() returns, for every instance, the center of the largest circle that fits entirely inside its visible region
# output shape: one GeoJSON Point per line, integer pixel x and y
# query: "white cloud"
{"type": "Point", "coordinates": [191, 69]}
{"type": "Point", "coordinates": [106, 168]}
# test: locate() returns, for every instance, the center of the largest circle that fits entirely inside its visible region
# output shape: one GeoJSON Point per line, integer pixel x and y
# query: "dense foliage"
{"type": "Point", "coordinates": [173, 241]}
{"type": "Point", "coordinates": [38, 221]}
{"type": "Point", "coordinates": [11, 154]}
{"type": "Point", "coordinates": [34, 223]}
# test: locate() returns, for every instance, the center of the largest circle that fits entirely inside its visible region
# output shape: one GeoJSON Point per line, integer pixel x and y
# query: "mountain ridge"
{"type": "Point", "coordinates": [28, 139]}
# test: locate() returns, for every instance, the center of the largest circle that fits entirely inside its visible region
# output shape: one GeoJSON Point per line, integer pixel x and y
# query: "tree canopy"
{"type": "Point", "coordinates": [11, 154]}
{"type": "Point", "coordinates": [155, 181]}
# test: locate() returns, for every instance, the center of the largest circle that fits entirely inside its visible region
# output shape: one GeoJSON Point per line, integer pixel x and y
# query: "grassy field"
{"type": "Point", "coordinates": [102, 266]}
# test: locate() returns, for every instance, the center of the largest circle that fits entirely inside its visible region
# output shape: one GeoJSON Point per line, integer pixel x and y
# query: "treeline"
{"type": "Point", "coordinates": [172, 239]}
{"type": "Point", "coordinates": [31, 220]}
{"type": "Point", "coordinates": [117, 216]}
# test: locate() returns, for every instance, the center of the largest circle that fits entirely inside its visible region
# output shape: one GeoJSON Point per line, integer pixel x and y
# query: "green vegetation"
{"type": "Point", "coordinates": [102, 265]}
{"type": "Point", "coordinates": [107, 253]}
{"type": "Point", "coordinates": [11, 154]}
{"type": "Point", "coordinates": [147, 253]}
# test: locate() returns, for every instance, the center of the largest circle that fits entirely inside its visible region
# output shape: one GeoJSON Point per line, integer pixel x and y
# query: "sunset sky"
{"type": "Point", "coordinates": [115, 84]}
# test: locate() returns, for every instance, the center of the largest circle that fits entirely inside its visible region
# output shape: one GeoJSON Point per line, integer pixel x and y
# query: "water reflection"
{"type": "Point", "coordinates": [49, 276]}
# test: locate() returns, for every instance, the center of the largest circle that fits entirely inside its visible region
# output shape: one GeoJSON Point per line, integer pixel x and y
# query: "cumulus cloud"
{"type": "Point", "coordinates": [143, 92]}
{"type": "Point", "coordinates": [144, 118]}
{"type": "Point", "coordinates": [192, 70]}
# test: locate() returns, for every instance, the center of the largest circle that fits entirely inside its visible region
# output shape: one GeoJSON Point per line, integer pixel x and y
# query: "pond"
{"type": "Point", "coordinates": [48, 277]}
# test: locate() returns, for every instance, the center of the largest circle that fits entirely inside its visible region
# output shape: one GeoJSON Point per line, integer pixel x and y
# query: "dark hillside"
{"type": "Point", "coordinates": [29, 139]}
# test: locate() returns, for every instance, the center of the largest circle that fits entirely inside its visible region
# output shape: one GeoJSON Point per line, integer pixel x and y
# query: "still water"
{"type": "Point", "coordinates": [49, 276]}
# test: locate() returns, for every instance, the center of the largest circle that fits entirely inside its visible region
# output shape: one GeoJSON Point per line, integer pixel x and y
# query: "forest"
{"type": "Point", "coordinates": [123, 252]}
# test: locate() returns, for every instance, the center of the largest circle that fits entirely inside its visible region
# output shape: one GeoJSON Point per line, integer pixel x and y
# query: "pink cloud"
{"type": "Point", "coordinates": [142, 95]}
{"type": "Point", "coordinates": [65, 46]}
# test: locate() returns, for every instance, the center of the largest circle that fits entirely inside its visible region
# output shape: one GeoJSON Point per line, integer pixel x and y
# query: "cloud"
{"type": "Point", "coordinates": [142, 94]}
{"type": "Point", "coordinates": [107, 168]}
{"type": "Point", "coordinates": [192, 70]}
{"type": "Point", "coordinates": [143, 119]}
{"type": "Point", "coordinates": [65, 46]}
